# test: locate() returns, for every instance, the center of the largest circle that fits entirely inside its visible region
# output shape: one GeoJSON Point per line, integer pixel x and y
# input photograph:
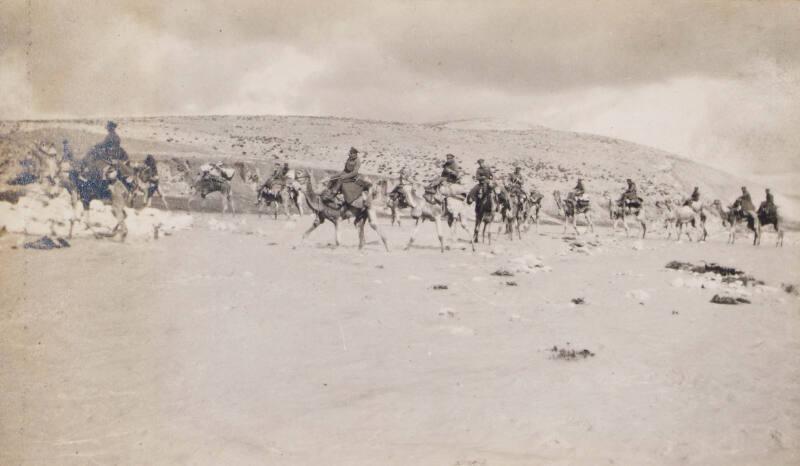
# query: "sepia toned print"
{"type": "Point", "coordinates": [399, 233]}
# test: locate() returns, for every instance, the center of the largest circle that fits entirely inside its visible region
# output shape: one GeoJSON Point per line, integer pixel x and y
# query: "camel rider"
{"type": "Point", "coordinates": [629, 197]}
{"type": "Point", "coordinates": [67, 156]}
{"type": "Point", "coordinates": [349, 174]}
{"type": "Point", "coordinates": [278, 176]}
{"type": "Point", "coordinates": [579, 192]}
{"type": "Point", "coordinates": [110, 149]}
{"type": "Point", "coordinates": [483, 175]}
{"type": "Point", "coordinates": [745, 202]}
{"type": "Point", "coordinates": [516, 180]}
{"type": "Point", "coordinates": [398, 193]}
{"type": "Point", "coordinates": [694, 198]}
{"type": "Point", "coordinates": [451, 173]}
{"type": "Point", "coordinates": [768, 205]}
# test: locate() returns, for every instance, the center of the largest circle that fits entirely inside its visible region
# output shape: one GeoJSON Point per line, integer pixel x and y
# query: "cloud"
{"type": "Point", "coordinates": [712, 80]}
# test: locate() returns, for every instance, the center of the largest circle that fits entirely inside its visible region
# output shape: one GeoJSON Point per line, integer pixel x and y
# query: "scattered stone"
{"type": "Point", "coordinates": [502, 273]}
{"type": "Point", "coordinates": [578, 301]}
{"type": "Point", "coordinates": [729, 275]}
{"type": "Point", "coordinates": [511, 283]}
{"type": "Point", "coordinates": [447, 312]}
{"type": "Point", "coordinates": [45, 242]}
{"type": "Point", "coordinates": [568, 354]}
{"type": "Point", "coordinates": [719, 299]}
{"type": "Point", "coordinates": [439, 287]}
{"type": "Point", "coordinates": [638, 246]}
{"type": "Point", "coordinates": [790, 288]}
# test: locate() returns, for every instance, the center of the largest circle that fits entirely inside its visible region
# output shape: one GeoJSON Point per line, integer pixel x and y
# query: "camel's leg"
{"type": "Point", "coordinates": [336, 233]}
{"type": "Point", "coordinates": [300, 201]}
{"type": "Point", "coordinates": [373, 223]}
{"type": "Point", "coordinates": [643, 224]}
{"type": "Point", "coordinates": [286, 207]}
{"type": "Point", "coordinates": [589, 221]}
{"type": "Point", "coordinates": [575, 224]}
{"type": "Point", "coordinates": [413, 235]}
{"type": "Point", "coordinates": [231, 205]}
{"type": "Point", "coordinates": [317, 222]}
{"type": "Point", "coordinates": [118, 210]}
{"type": "Point", "coordinates": [438, 221]}
{"type": "Point", "coordinates": [360, 224]}
{"type": "Point", "coordinates": [625, 226]}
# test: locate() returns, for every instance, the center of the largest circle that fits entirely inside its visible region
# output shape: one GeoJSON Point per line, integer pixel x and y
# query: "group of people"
{"type": "Point", "coordinates": [110, 152]}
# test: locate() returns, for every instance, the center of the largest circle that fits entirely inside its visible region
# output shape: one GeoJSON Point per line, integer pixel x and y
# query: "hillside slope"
{"type": "Point", "coordinates": [550, 159]}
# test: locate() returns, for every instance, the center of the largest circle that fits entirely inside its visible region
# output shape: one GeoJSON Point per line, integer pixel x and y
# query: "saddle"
{"type": "Point", "coordinates": [398, 196]}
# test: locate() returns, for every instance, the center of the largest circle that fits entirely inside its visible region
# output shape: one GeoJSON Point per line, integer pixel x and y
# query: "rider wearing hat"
{"type": "Point", "coordinates": [451, 172]}
{"type": "Point", "coordinates": [744, 201]}
{"type": "Point", "coordinates": [516, 179]}
{"type": "Point", "coordinates": [483, 175]}
{"type": "Point", "coordinates": [350, 173]}
{"type": "Point", "coordinates": [630, 195]}
{"type": "Point", "coordinates": [578, 191]}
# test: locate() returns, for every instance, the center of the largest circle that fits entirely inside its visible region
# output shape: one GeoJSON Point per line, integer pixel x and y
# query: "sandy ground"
{"type": "Point", "coordinates": [233, 343]}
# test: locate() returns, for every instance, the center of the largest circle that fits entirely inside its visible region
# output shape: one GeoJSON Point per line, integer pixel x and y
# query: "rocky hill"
{"type": "Point", "coordinates": [550, 159]}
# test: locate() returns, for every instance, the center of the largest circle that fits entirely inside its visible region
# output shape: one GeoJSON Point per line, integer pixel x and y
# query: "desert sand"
{"type": "Point", "coordinates": [229, 340]}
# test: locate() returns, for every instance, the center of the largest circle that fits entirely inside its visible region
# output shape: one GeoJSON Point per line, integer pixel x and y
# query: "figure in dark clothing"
{"type": "Point", "coordinates": [768, 206]}
{"type": "Point", "coordinates": [68, 155]}
{"type": "Point", "coordinates": [348, 175]}
{"type": "Point", "coordinates": [770, 198]}
{"type": "Point", "coordinates": [484, 176]}
{"type": "Point", "coordinates": [579, 191]}
{"type": "Point", "coordinates": [630, 197]}
{"type": "Point", "coordinates": [694, 198]}
{"type": "Point", "coordinates": [451, 173]}
{"type": "Point", "coordinates": [744, 202]}
{"type": "Point", "coordinates": [278, 176]}
{"type": "Point", "coordinates": [516, 180]}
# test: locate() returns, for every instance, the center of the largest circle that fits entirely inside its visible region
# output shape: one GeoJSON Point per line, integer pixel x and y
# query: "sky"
{"type": "Point", "coordinates": [718, 82]}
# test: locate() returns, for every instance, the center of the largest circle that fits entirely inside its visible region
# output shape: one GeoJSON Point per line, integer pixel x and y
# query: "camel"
{"type": "Point", "coordinates": [619, 213]}
{"type": "Point", "coordinates": [484, 214]}
{"type": "Point", "coordinates": [513, 210]}
{"type": "Point", "coordinates": [571, 210]}
{"type": "Point", "coordinates": [534, 207]}
{"type": "Point", "coordinates": [284, 193]}
{"type": "Point", "coordinates": [147, 182]}
{"type": "Point", "coordinates": [435, 208]}
{"type": "Point", "coordinates": [693, 214]}
{"type": "Point", "coordinates": [769, 216]}
{"type": "Point", "coordinates": [666, 214]}
{"type": "Point", "coordinates": [113, 182]}
{"type": "Point", "coordinates": [361, 210]}
{"type": "Point", "coordinates": [390, 198]}
{"type": "Point", "coordinates": [732, 217]}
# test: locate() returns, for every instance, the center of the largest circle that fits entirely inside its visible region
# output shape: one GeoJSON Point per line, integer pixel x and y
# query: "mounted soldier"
{"type": "Point", "coordinates": [398, 194]}
{"type": "Point", "coordinates": [578, 194]}
{"type": "Point", "coordinates": [347, 183]}
{"type": "Point", "coordinates": [451, 173]}
{"type": "Point", "coordinates": [483, 175]}
{"type": "Point", "coordinates": [768, 206]}
{"type": "Point", "coordinates": [630, 198]}
{"type": "Point", "coordinates": [516, 182]}
{"type": "Point", "coordinates": [744, 202]}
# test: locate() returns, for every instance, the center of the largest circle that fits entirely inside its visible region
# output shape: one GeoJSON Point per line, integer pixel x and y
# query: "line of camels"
{"type": "Point", "coordinates": [514, 211]}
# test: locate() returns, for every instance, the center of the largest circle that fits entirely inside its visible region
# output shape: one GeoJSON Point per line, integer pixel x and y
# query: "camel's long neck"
{"type": "Point", "coordinates": [312, 198]}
